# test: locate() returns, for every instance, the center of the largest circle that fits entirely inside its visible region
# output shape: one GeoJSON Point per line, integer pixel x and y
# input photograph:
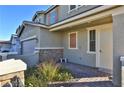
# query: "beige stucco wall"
{"type": "Point", "coordinates": [29, 31]}
{"type": "Point", "coordinates": [50, 39]}
{"type": "Point", "coordinates": [80, 55]}
{"type": "Point", "coordinates": [118, 49]}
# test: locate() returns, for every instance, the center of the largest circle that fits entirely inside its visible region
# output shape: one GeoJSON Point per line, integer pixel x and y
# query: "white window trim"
{"type": "Point", "coordinates": [69, 10]}
{"type": "Point", "coordinates": [77, 7]}
{"type": "Point", "coordinates": [76, 40]}
{"type": "Point", "coordinates": [81, 6]}
{"type": "Point", "coordinates": [88, 43]}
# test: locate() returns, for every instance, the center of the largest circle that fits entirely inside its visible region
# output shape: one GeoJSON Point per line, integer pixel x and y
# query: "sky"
{"type": "Point", "coordinates": [12, 16]}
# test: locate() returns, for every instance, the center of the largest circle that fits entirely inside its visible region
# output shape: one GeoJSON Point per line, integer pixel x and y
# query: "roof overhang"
{"type": "Point", "coordinates": [35, 24]}
{"type": "Point", "coordinates": [30, 23]}
{"type": "Point", "coordinates": [37, 13]}
{"type": "Point", "coordinates": [84, 17]}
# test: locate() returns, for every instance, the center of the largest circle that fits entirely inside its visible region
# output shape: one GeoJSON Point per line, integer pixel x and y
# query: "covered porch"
{"type": "Point", "coordinates": [108, 45]}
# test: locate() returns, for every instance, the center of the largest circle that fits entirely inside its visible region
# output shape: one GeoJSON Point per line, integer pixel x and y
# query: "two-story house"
{"type": "Point", "coordinates": [89, 35]}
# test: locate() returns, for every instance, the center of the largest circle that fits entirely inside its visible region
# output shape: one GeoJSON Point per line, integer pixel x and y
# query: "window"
{"type": "Point", "coordinates": [73, 40]}
{"type": "Point", "coordinates": [79, 5]}
{"type": "Point", "coordinates": [92, 41]}
{"type": "Point", "coordinates": [74, 7]}
{"type": "Point", "coordinates": [53, 17]}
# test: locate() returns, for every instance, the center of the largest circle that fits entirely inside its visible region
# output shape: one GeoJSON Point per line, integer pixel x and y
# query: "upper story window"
{"type": "Point", "coordinates": [53, 17]}
{"type": "Point", "coordinates": [74, 7]}
{"type": "Point", "coordinates": [38, 20]}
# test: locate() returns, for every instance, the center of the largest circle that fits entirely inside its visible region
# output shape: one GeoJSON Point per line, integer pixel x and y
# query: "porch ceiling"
{"type": "Point", "coordinates": [96, 22]}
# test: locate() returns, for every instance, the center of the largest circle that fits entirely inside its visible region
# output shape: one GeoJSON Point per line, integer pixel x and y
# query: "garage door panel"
{"type": "Point", "coordinates": [28, 47]}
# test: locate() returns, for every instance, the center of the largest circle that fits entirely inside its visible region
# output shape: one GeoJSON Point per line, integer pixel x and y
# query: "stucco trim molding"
{"type": "Point", "coordinates": [40, 48]}
{"type": "Point", "coordinates": [29, 38]}
{"type": "Point", "coordinates": [12, 65]}
{"type": "Point", "coordinates": [118, 11]}
{"type": "Point", "coordinates": [34, 24]}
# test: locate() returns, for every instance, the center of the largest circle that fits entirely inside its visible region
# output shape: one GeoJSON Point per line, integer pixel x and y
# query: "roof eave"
{"type": "Point", "coordinates": [102, 8]}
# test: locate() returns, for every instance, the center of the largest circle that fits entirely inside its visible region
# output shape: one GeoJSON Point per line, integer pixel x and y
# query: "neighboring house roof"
{"type": "Point", "coordinates": [4, 42]}
{"type": "Point", "coordinates": [12, 36]}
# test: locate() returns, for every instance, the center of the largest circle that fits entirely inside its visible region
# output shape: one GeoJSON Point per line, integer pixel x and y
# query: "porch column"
{"type": "Point", "coordinates": [118, 46]}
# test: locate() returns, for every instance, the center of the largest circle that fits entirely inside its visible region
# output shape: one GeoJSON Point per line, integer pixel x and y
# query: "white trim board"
{"type": "Point", "coordinates": [35, 24]}
{"type": "Point", "coordinates": [29, 38]}
{"type": "Point", "coordinates": [75, 9]}
{"type": "Point", "coordinates": [40, 48]}
{"type": "Point", "coordinates": [69, 10]}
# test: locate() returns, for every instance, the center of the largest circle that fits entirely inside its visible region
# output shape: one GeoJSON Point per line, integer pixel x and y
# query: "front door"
{"type": "Point", "coordinates": [104, 47]}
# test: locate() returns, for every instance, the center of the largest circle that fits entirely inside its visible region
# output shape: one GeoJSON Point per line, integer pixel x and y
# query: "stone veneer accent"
{"type": "Point", "coordinates": [12, 73]}
{"type": "Point", "coordinates": [50, 54]}
{"type": "Point", "coordinates": [6, 79]}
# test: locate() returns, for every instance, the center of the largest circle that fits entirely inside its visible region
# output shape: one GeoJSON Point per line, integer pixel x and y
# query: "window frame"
{"type": "Point", "coordinates": [51, 16]}
{"type": "Point", "coordinates": [77, 7]}
{"type": "Point", "coordinates": [88, 43]}
{"type": "Point", "coordinates": [72, 9]}
{"type": "Point", "coordinates": [56, 17]}
{"type": "Point", "coordinates": [76, 40]}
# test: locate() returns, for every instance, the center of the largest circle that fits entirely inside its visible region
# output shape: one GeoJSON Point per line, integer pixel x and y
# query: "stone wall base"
{"type": "Point", "coordinates": [10, 80]}
{"type": "Point", "coordinates": [50, 54]}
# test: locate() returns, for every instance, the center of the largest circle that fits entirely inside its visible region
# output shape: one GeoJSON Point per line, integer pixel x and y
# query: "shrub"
{"type": "Point", "coordinates": [49, 70]}
{"type": "Point", "coordinates": [63, 76]}
{"type": "Point", "coordinates": [45, 73]}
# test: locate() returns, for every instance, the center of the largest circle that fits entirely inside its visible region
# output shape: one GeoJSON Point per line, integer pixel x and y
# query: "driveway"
{"type": "Point", "coordinates": [87, 76]}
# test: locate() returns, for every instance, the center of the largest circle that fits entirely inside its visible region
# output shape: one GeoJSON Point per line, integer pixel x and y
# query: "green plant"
{"type": "Point", "coordinates": [49, 70]}
{"type": "Point", "coordinates": [63, 75]}
{"type": "Point", "coordinates": [33, 81]}
{"type": "Point", "coordinates": [33, 78]}
{"type": "Point", "coordinates": [45, 73]}
{"type": "Point", "coordinates": [30, 71]}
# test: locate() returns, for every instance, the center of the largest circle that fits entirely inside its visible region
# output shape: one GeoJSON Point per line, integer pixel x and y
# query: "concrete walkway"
{"type": "Point", "coordinates": [88, 77]}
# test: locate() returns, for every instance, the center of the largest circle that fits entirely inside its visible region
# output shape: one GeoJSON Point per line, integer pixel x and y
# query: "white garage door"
{"type": "Point", "coordinates": [28, 47]}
